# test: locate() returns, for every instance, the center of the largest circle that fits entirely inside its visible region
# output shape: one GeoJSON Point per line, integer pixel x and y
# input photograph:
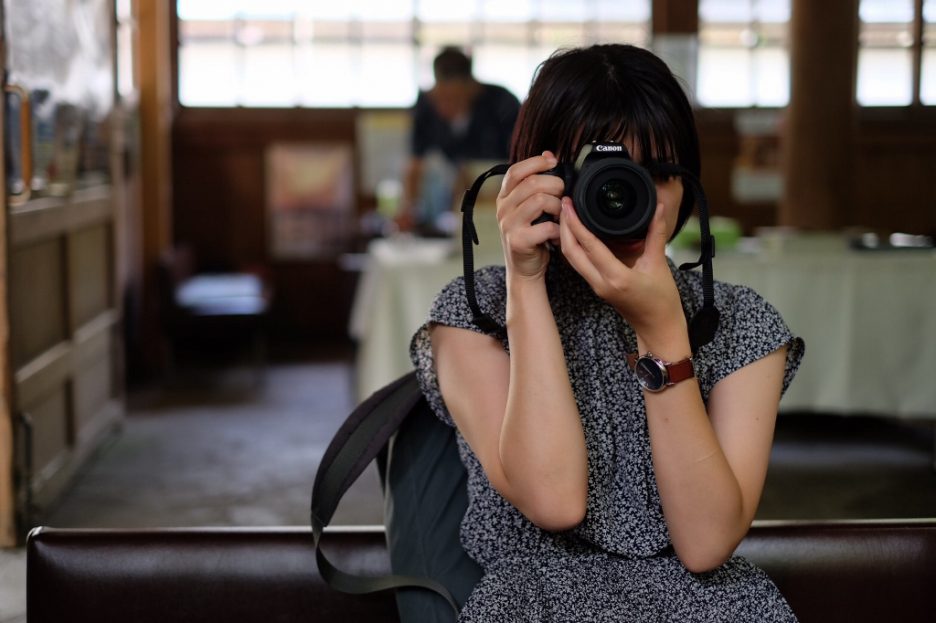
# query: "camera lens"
{"type": "Point", "coordinates": [616, 198]}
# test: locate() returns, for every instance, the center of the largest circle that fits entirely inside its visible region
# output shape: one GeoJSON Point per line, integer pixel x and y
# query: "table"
{"type": "Point", "coordinates": [868, 319]}
{"type": "Point", "coordinates": [223, 294]}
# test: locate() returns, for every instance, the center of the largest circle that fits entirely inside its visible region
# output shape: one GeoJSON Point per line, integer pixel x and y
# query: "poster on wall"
{"type": "Point", "coordinates": [755, 175]}
{"type": "Point", "coordinates": [310, 199]}
{"type": "Point", "coordinates": [383, 139]}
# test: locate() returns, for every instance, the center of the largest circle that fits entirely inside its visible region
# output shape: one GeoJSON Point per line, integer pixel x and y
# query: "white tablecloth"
{"type": "Point", "coordinates": [868, 318]}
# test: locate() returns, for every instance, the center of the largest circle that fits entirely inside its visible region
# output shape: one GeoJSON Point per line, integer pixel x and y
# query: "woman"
{"type": "Point", "coordinates": [590, 497]}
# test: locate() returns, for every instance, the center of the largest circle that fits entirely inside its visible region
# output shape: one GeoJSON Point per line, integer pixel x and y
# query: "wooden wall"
{"type": "Point", "coordinates": [219, 190]}
{"type": "Point", "coordinates": [219, 208]}
{"type": "Point", "coordinates": [894, 186]}
{"type": "Point", "coordinates": [218, 182]}
{"type": "Point", "coordinates": [895, 171]}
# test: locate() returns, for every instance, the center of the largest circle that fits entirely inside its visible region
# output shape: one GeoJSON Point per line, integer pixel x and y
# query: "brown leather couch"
{"type": "Point", "coordinates": [829, 571]}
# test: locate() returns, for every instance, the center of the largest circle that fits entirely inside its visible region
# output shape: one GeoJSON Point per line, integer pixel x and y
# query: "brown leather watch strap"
{"type": "Point", "coordinates": [680, 371]}
{"type": "Point", "coordinates": [675, 372]}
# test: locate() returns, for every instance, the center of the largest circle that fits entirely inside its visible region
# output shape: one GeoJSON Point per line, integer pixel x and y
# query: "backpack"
{"type": "Point", "coordinates": [425, 498]}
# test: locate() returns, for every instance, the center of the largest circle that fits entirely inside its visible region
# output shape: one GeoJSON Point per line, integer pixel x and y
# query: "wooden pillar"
{"type": "Point", "coordinates": [157, 106]}
{"type": "Point", "coordinates": [818, 133]}
{"type": "Point", "coordinates": [675, 16]}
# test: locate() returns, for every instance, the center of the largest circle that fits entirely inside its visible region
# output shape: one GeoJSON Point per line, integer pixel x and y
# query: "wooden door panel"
{"type": "Point", "coordinates": [43, 375]}
{"type": "Point", "coordinates": [64, 353]}
{"type": "Point", "coordinates": [37, 300]}
{"type": "Point", "coordinates": [92, 391]}
{"type": "Point", "coordinates": [93, 386]}
{"type": "Point", "coordinates": [48, 217]}
{"type": "Point", "coordinates": [89, 273]}
{"type": "Point", "coordinates": [50, 434]}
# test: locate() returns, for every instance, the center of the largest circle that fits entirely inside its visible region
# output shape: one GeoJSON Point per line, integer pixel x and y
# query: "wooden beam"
{"type": "Point", "coordinates": [156, 115]}
{"type": "Point", "coordinates": [819, 131]}
{"type": "Point", "coordinates": [675, 17]}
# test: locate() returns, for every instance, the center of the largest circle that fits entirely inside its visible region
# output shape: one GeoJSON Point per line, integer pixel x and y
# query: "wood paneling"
{"type": "Point", "coordinates": [218, 196]}
{"type": "Point", "coordinates": [675, 16]}
{"type": "Point", "coordinates": [223, 195]}
{"type": "Point", "coordinates": [89, 273]}
{"type": "Point", "coordinates": [219, 207]}
{"type": "Point", "coordinates": [894, 175]}
{"type": "Point", "coordinates": [37, 283]}
{"type": "Point", "coordinates": [892, 184]}
{"type": "Point", "coordinates": [51, 432]}
{"type": "Point", "coordinates": [47, 217]}
{"type": "Point", "coordinates": [93, 389]}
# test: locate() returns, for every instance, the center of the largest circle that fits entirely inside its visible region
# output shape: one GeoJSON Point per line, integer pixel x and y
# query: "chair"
{"type": "Point", "coordinates": [211, 308]}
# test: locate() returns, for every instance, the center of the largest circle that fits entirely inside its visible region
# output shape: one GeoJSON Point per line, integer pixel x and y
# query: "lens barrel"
{"type": "Point", "coordinates": [615, 198]}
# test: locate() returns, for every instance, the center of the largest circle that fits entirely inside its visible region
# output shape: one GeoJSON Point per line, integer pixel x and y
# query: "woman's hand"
{"type": "Point", "coordinates": [644, 293]}
{"type": "Point", "coordinates": [524, 196]}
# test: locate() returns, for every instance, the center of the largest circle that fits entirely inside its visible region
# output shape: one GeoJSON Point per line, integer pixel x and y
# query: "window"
{"type": "Point", "coordinates": [744, 53]}
{"type": "Point", "coordinates": [126, 28]}
{"type": "Point", "coordinates": [928, 64]}
{"type": "Point", "coordinates": [885, 54]}
{"type": "Point", "coordinates": [376, 53]}
{"type": "Point", "coordinates": [744, 58]}
{"type": "Point", "coordinates": [894, 44]}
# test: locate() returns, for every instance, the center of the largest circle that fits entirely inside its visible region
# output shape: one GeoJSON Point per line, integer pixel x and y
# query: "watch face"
{"type": "Point", "coordinates": [650, 374]}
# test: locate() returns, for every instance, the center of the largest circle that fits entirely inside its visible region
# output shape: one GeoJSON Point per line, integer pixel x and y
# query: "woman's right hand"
{"type": "Point", "coordinates": [524, 196]}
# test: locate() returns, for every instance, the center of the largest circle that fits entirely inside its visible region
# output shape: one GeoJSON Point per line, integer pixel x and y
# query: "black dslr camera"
{"type": "Point", "coordinates": [613, 195]}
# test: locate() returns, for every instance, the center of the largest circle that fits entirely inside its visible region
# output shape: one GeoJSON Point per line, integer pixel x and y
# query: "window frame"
{"type": "Point", "coordinates": [534, 27]}
{"type": "Point", "coordinates": [916, 110]}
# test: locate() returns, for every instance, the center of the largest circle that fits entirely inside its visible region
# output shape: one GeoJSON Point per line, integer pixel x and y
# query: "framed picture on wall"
{"type": "Point", "coordinates": [310, 199]}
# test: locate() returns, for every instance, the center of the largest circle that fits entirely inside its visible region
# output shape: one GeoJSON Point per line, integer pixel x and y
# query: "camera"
{"type": "Point", "coordinates": [613, 195]}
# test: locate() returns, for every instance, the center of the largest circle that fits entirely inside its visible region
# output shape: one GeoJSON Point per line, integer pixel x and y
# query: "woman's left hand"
{"type": "Point", "coordinates": [644, 294]}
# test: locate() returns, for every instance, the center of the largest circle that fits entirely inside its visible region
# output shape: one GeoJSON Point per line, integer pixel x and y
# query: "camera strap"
{"type": "Point", "coordinates": [702, 325]}
{"type": "Point", "coordinates": [469, 237]}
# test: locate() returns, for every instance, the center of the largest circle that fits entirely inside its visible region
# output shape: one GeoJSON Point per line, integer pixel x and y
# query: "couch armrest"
{"type": "Point", "coordinates": [852, 571]}
{"type": "Point", "coordinates": [199, 575]}
{"type": "Point", "coordinates": [873, 570]}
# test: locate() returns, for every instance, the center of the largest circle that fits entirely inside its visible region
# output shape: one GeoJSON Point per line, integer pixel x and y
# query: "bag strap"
{"type": "Point", "coordinates": [362, 436]}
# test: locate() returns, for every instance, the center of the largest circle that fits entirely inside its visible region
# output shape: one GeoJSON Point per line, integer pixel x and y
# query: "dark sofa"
{"type": "Point", "coordinates": [829, 571]}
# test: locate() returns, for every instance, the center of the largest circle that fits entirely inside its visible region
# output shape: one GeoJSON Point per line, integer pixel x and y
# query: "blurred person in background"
{"type": "Point", "coordinates": [459, 120]}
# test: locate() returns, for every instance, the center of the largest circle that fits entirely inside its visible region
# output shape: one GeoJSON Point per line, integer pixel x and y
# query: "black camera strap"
{"type": "Point", "coordinates": [469, 237]}
{"type": "Point", "coordinates": [702, 325]}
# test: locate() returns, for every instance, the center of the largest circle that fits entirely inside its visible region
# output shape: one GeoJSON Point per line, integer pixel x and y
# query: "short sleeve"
{"type": "Point", "coordinates": [750, 328]}
{"type": "Point", "coordinates": [450, 308]}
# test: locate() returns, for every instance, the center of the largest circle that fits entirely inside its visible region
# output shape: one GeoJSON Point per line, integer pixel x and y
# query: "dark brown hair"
{"type": "Point", "coordinates": [606, 93]}
{"type": "Point", "coordinates": [451, 64]}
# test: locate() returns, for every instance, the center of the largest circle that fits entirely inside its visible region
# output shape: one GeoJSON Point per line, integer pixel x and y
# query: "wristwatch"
{"type": "Point", "coordinates": [655, 375]}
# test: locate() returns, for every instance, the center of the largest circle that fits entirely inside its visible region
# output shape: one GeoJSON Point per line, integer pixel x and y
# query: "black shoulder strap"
{"type": "Point", "coordinates": [469, 237]}
{"type": "Point", "coordinates": [354, 446]}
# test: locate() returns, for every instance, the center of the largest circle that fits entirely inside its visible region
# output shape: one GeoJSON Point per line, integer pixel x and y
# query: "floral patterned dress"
{"type": "Point", "coordinates": [618, 564]}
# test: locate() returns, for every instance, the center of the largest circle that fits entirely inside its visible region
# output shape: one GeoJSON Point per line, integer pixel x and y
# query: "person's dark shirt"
{"type": "Point", "coordinates": [486, 137]}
